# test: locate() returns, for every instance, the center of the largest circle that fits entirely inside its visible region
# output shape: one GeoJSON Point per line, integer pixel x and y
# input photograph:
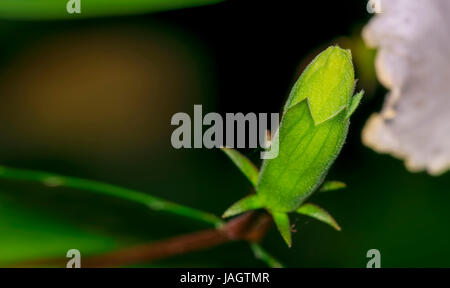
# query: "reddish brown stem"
{"type": "Point", "coordinates": [251, 227]}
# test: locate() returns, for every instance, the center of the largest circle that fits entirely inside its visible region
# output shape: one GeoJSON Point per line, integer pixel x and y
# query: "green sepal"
{"type": "Point", "coordinates": [251, 202]}
{"type": "Point", "coordinates": [262, 254]}
{"type": "Point", "coordinates": [244, 164]}
{"type": "Point", "coordinates": [284, 226]}
{"type": "Point", "coordinates": [318, 213]}
{"type": "Point", "coordinates": [354, 103]}
{"type": "Point", "coordinates": [332, 185]}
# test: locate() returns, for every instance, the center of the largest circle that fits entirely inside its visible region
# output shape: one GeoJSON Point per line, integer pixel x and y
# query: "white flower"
{"type": "Point", "coordinates": [413, 61]}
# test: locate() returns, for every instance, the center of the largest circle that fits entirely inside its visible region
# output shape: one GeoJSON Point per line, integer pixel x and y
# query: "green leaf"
{"type": "Point", "coordinates": [332, 185]}
{"type": "Point", "coordinates": [262, 254]}
{"type": "Point", "coordinates": [27, 234]}
{"type": "Point", "coordinates": [284, 226]}
{"type": "Point", "coordinates": [248, 203]}
{"type": "Point", "coordinates": [318, 213]}
{"type": "Point", "coordinates": [56, 9]}
{"type": "Point", "coordinates": [244, 164]}
{"type": "Point", "coordinates": [354, 103]}
{"type": "Point", "coordinates": [152, 202]}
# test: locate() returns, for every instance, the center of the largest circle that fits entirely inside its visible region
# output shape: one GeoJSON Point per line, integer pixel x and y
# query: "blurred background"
{"type": "Point", "coordinates": [93, 98]}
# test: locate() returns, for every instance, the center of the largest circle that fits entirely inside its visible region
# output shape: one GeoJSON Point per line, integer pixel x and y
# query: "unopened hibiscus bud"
{"type": "Point", "coordinates": [311, 134]}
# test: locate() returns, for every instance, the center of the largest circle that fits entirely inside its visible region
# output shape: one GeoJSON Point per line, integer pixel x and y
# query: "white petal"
{"type": "Point", "coordinates": [413, 61]}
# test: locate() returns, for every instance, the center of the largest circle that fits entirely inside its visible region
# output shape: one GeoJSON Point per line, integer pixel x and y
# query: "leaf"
{"type": "Point", "coordinates": [248, 203]}
{"type": "Point", "coordinates": [262, 255]}
{"type": "Point", "coordinates": [56, 9]}
{"type": "Point", "coordinates": [318, 213]}
{"type": "Point", "coordinates": [332, 185]}
{"type": "Point", "coordinates": [244, 164]}
{"type": "Point", "coordinates": [152, 202]}
{"type": "Point", "coordinates": [27, 235]}
{"type": "Point", "coordinates": [283, 224]}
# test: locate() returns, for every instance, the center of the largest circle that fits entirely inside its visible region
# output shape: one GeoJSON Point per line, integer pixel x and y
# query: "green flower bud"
{"type": "Point", "coordinates": [311, 134]}
{"type": "Point", "coordinates": [312, 131]}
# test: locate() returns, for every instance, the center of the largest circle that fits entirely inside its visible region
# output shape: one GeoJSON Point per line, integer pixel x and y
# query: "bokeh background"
{"type": "Point", "coordinates": [93, 98]}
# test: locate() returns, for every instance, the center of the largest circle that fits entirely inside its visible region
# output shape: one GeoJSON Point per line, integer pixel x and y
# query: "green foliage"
{"type": "Point", "coordinates": [27, 235]}
{"type": "Point", "coordinates": [311, 134]}
{"type": "Point", "coordinates": [150, 201]}
{"type": "Point", "coordinates": [56, 9]}
{"type": "Point", "coordinates": [51, 237]}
